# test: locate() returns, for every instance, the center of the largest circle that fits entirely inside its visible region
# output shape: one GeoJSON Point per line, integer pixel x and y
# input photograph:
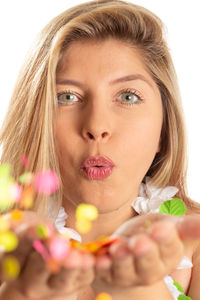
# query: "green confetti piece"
{"type": "Point", "coordinates": [179, 287]}
{"type": "Point", "coordinates": [175, 207]}
{"type": "Point", "coordinates": [42, 231]}
{"type": "Point", "coordinates": [183, 297]}
{"type": "Point", "coordinates": [25, 177]}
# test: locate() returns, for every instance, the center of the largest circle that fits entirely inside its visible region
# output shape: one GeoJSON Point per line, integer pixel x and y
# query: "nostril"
{"type": "Point", "coordinates": [90, 135]}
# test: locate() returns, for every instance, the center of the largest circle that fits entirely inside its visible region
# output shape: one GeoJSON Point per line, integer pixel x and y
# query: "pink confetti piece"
{"type": "Point", "coordinates": [25, 160]}
{"type": "Point", "coordinates": [46, 182]}
{"type": "Point", "coordinates": [59, 248]}
{"type": "Point", "coordinates": [15, 192]}
{"type": "Point", "coordinates": [39, 247]}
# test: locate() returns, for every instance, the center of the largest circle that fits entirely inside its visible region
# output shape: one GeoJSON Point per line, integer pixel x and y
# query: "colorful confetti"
{"type": "Point", "coordinates": [27, 198]}
{"type": "Point", "coordinates": [42, 231]}
{"type": "Point", "coordinates": [6, 180]}
{"type": "Point", "coordinates": [16, 215]}
{"type": "Point", "coordinates": [4, 224]}
{"type": "Point", "coordinates": [10, 267]}
{"type": "Point", "coordinates": [26, 178]}
{"type": "Point", "coordinates": [40, 248]}
{"type": "Point", "coordinates": [103, 296]}
{"type": "Point", "coordinates": [25, 160]}
{"type": "Point", "coordinates": [46, 182]}
{"type": "Point", "coordinates": [86, 211]}
{"type": "Point", "coordinates": [15, 192]}
{"type": "Point", "coordinates": [59, 248]}
{"type": "Point", "coordinates": [8, 241]}
{"type": "Point", "coordinates": [83, 225]}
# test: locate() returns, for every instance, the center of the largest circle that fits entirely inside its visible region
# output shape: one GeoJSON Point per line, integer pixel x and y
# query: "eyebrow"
{"type": "Point", "coordinates": [115, 81]}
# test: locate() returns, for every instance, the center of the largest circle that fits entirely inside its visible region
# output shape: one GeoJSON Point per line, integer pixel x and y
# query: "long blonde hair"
{"type": "Point", "coordinates": [28, 127]}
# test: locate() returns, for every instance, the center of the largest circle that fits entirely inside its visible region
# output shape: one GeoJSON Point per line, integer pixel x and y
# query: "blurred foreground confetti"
{"type": "Point", "coordinates": [85, 213]}
{"type": "Point", "coordinates": [10, 267]}
{"type": "Point", "coordinates": [103, 296]}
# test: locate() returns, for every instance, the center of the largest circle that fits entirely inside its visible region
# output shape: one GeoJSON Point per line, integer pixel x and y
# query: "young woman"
{"type": "Point", "coordinates": [97, 101]}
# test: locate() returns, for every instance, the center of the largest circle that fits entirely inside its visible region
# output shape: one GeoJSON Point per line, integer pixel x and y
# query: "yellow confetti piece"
{"type": "Point", "coordinates": [86, 211]}
{"type": "Point", "coordinates": [8, 241]}
{"type": "Point", "coordinates": [4, 224]}
{"type": "Point", "coordinates": [10, 267]}
{"type": "Point", "coordinates": [6, 202]}
{"type": "Point", "coordinates": [83, 225]}
{"type": "Point", "coordinates": [16, 214]}
{"type": "Point", "coordinates": [5, 170]}
{"type": "Point", "coordinates": [103, 296]}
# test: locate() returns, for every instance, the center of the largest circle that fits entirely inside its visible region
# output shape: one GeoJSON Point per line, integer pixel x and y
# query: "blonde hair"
{"type": "Point", "coordinates": [28, 127]}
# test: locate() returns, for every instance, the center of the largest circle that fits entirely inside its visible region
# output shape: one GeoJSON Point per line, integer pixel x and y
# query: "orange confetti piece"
{"type": "Point", "coordinates": [27, 197]}
{"type": "Point", "coordinates": [103, 296]}
{"type": "Point", "coordinates": [16, 214]}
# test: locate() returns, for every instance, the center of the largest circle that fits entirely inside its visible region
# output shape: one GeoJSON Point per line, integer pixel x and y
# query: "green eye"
{"type": "Point", "coordinates": [66, 97]}
{"type": "Point", "coordinates": [130, 98]}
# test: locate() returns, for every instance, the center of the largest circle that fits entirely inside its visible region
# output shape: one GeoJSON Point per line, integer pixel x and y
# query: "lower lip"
{"type": "Point", "coordinates": [98, 173]}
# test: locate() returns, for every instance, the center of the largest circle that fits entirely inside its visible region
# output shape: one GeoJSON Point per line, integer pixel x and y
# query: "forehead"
{"type": "Point", "coordinates": [101, 54]}
{"type": "Point", "coordinates": [102, 61]}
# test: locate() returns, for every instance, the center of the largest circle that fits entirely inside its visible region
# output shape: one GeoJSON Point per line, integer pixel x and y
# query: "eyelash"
{"type": "Point", "coordinates": [134, 92]}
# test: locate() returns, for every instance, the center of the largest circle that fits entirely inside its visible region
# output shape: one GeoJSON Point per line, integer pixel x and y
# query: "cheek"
{"type": "Point", "coordinates": [141, 139]}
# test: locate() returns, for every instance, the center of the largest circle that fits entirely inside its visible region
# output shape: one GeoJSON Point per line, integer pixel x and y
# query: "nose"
{"type": "Point", "coordinates": [97, 126]}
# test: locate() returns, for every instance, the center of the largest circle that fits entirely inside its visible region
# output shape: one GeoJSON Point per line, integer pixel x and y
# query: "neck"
{"type": "Point", "coordinates": [106, 223]}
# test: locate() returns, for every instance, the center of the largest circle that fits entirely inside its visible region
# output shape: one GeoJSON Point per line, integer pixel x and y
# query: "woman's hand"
{"type": "Point", "coordinates": [146, 253]}
{"type": "Point", "coordinates": [35, 281]}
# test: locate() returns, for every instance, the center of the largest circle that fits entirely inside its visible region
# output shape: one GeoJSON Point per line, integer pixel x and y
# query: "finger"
{"type": "Point", "coordinates": [88, 261]}
{"type": "Point", "coordinates": [103, 267]}
{"type": "Point", "coordinates": [147, 263]}
{"type": "Point", "coordinates": [34, 276]}
{"type": "Point", "coordinates": [77, 276]}
{"type": "Point", "coordinates": [136, 224]}
{"type": "Point", "coordinates": [188, 227]}
{"type": "Point", "coordinates": [169, 244]}
{"type": "Point", "coordinates": [122, 268]}
{"type": "Point", "coordinates": [66, 279]}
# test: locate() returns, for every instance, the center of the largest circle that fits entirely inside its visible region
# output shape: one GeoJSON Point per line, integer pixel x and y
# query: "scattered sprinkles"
{"type": "Point", "coordinates": [46, 182]}
{"type": "Point", "coordinates": [59, 248]}
{"type": "Point", "coordinates": [25, 160]}
{"type": "Point", "coordinates": [10, 267]}
{"type": "Point", "coordinates": [8, 241]}
{"type": "Point", "coordinates": [85, 213]}
{"type": "Point", "coordinates": [103, 296]}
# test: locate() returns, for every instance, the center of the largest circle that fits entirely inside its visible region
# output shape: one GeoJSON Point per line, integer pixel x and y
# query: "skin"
{"type": "Point", "coordinates": [98, 122]}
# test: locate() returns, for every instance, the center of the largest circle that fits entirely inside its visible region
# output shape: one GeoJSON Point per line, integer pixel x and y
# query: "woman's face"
{"type": "Point", "coordinates": [98, 117]}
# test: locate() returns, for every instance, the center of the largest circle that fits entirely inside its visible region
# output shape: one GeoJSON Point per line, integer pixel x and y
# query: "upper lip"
{"type": "Point", "coordinates": [92, 161]}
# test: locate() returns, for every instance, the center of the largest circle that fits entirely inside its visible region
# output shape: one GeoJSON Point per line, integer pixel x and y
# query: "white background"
{"type": "Point", "coordinates": [21, 20]}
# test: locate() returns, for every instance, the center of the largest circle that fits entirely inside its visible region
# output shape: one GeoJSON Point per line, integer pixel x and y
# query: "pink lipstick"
{"type": "Point", "coordinates": [99, 167]}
